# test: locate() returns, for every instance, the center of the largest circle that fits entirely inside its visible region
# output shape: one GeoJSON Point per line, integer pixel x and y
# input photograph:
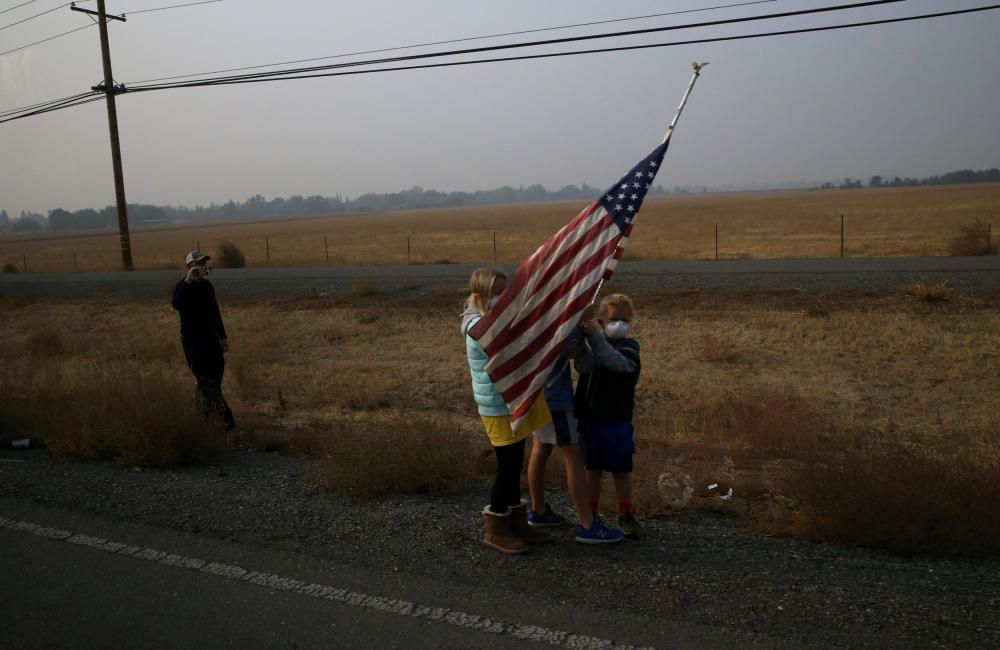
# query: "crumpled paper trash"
{"type": "Point", "coordinates": [675, 489]}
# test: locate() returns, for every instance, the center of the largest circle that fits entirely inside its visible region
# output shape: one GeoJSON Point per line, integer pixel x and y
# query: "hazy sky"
{"type": "Point", "coordinates": [915, 99]}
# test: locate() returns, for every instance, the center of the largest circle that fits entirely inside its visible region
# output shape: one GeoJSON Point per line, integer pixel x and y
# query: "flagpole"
{"type": "Point", "coordinates": [680, 109]}
{"type": "Point", "coordinates": [670, 130]}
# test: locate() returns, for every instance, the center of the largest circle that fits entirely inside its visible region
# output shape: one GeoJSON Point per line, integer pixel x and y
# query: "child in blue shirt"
{"type": "Point", "coordinates": [609, 368]}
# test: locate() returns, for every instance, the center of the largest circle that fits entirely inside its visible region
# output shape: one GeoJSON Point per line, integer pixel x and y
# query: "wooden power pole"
{"type": "Point", "coordinates": [110, 90]}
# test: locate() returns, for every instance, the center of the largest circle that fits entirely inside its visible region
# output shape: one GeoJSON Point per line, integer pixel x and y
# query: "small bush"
{"type": "Point", "coordinates": [718, 349]}
{"type": "Point", "coordinates": [43, 343]}
{"type": "Point", "coordinates": [229, 256]}
{"type": "Point", "coordinates": [363, 288]}
{"type": "Point", "coordinates": [817, 310]}
{"type": "Point", "coordinates": [9, 268]}
{"type": "Point", "coordinates": [406, 453]}
{"type": "Point", "coordinates": [973, 239]}
{"type": "Point", "coordinates": [930, 292]}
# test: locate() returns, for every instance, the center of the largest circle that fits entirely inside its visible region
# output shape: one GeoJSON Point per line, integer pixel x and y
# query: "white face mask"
{"type": "Point", "coordinates": [616, 329]}
{"type": "Point", "coordinates": [205, 270]}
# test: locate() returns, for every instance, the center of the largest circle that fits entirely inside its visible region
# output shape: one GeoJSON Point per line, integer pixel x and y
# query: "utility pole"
{"type": "Point", "coordinates": [110, 90]}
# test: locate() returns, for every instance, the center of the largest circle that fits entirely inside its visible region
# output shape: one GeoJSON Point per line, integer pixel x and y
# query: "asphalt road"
{"type": "Point", "coordinates": [74, 580]}
{"type": "Point", "coordinates": [963, 273]}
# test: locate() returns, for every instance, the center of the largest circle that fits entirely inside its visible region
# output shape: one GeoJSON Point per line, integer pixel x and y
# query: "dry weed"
{"type": "Point", "coordinates": [719, 349]}
{"type": "Point", "coordinates": [973, 239]}
{"type": "Point", "coordinates": [925, 292]}
{"type": "Point", "coordinates": [110, 410]}
{"type": "Point", "coordinates": [404, 453]}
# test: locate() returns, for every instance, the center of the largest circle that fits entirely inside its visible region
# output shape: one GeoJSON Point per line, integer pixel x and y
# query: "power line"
{"type": "Point", "coordinates": [195, 84]}
{"type": "Point", "coordinates": [24, 20]}
{"type": "Point", "coordinates": [18, 6]}
{"type": "Point", "coordinates": [453, 40]}
{"type": "Point", "coordinates": [46, 40]}
{"type": "Point", "coordinates": [11, 111]}
{"type": "Point", "coordinates": [68, 104]}
{"type": "Point", "coordinates": [553, 41]}
{"type": "Point", "coordinates": [273, 77]}
{"type": "Point", "coordinates": [190, 4]}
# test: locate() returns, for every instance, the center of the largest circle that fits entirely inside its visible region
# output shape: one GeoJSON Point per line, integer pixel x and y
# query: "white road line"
{"type": "Point", "coordinates": [327, 592]}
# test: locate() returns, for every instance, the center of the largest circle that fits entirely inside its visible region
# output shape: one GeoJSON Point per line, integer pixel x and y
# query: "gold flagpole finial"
{"type": "Point", "coordinates": [698, 66]}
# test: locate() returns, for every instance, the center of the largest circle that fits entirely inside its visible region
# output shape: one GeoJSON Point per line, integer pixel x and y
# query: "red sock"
{"type": "Point", "coordinates": [593, 507]}
{"type": "Point", "coordinates": [624, 507]}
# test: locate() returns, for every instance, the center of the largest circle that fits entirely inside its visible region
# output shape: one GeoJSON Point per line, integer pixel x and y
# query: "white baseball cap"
{"type": "Point", "coordinates": [196, 256]}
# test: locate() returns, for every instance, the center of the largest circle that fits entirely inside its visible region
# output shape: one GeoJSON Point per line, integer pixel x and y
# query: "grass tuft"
{"type": "Point", "coordinates": [924, 292]}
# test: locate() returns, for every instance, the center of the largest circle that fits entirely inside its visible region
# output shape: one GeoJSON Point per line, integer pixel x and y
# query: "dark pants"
{"type": "Point", "coordinates": [506, 490]}
{"type": "Point", "coordinates": [208, 367]}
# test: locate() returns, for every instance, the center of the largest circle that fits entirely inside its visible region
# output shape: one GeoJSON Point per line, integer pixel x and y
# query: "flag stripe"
{"type": "Point", "coordinates": [512, 382]}
{"type": "Point", "coordinates": [566, 275]}
{"type": "Point", "coordinates": [583, 277]}
{"type": "Point", "coordinates": [512, 299]}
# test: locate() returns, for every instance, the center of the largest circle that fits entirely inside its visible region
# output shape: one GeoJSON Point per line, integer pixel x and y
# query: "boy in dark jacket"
{"type": "Point", "coordinates": [609, 369]}
{"type": "Point", "coordinates": [203, 336]}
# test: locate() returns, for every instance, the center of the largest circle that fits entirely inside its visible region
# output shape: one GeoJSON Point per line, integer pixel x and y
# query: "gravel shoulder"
{"type": "Point", "coordinates": [693, 568]}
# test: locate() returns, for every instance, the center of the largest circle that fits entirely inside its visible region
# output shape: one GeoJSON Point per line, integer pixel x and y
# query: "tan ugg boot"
{"type": "Point", "coordinates": [498, 535]}
{"type": "Point", "coordinates": [519, 525]}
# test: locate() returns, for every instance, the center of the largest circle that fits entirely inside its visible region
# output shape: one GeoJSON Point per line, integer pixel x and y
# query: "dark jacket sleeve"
{"type": "Point", "coordinates": [180, 295]}
{"type": "Point", "coordinates": [218, 317]}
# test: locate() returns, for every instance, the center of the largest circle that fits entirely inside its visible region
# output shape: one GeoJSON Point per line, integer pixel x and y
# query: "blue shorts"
{"type": "Point", "coordinates": [607, 446]}
{"type": "Point", "coordinates": [563, 431]}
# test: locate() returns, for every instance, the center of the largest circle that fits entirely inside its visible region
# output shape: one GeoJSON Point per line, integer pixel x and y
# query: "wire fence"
{"type": "Point", "coordinates": [167, 249]}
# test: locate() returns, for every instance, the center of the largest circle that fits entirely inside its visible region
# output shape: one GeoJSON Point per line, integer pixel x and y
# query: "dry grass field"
{"type": "Point", "coordinates": [863, 419]}
{"type": "Point", "coordinates": [801, 224]}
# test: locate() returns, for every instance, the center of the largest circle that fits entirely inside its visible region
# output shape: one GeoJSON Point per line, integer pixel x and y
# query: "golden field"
{"type": "Point", "coordinates": [863, 419]}
{"type": "Point", "coordinates": [794, 224]}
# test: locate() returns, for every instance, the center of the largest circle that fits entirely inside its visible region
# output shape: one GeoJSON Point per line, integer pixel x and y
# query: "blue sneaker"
{"type": "Point", "coordinates": [547, 519]}
{"type": "Point", "coordinates": [598, 534]}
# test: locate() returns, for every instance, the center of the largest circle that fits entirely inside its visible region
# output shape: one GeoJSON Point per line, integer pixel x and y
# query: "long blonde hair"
{"type": "Point", "coordinates": [481, 288]}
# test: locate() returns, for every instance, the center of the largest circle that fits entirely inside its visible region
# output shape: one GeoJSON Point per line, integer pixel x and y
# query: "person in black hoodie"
{"type": "Point", "coordinates": [609, 369]}
{"type": "Point", "coordinates": [203, 336]}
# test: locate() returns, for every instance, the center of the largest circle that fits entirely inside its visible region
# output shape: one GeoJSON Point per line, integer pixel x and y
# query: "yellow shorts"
{"type": "Point", "coordinates": [500, 433]}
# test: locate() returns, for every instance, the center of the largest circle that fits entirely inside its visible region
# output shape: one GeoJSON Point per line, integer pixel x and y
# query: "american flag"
{"type": "Point", "coordinates": [542, 304]}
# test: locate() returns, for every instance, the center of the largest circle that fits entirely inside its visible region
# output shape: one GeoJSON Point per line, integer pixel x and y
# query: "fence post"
{"type": "Point", "coordinates": [407, 250]}
{"type": "Point", "coordinates": [25, 260]}
{"type": "Point", "coordinates": [326, 247]}
{"type": "Point", "coordinates": [716, 242]}
{"type": "Point", "coordinates": [267, 250]}
{"type": "Point", "coordinates": [989, 237]}
{"type": "Point", "coordinates": [75, 267]}
{"type": "Point", "coordinates": [197, 245]}
{"type": "Point", "coordinates": [841, 236]}
{"type": "Point", "coordinates": [494, 246]}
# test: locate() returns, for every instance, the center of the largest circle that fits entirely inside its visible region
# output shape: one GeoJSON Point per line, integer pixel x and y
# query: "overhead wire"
{"type": "Point", "coordinates": [46, 40]}
{"type": "Point", "coordinates": [454, 40]}
{"type": "Point", "coordinates": [23, 4]}
{"type": "Point", "coordinates": [189, 4]}
{"type": "Point", "coordinates": [11, 111]}
{"type": "Point", "coordinates": [308, 73]}
{"type": "Point", "coordinates": [717, 39]}
{"type": "Point", "coordinates": [38, 15]}
{"type": "Point", "coordinates": [553, 41]}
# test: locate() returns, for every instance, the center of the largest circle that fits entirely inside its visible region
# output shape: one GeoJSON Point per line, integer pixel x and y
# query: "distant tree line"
{"type": "Point", "coordinates": [951, 178]}
{"type": "Point", "coordinates": [415, 198]}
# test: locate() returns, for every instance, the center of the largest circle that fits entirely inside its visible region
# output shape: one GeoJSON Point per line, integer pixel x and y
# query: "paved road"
{"type": "Point", "coordinates": [74, 580]}
{"type": "Point", "coordinates": [963, 273]}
